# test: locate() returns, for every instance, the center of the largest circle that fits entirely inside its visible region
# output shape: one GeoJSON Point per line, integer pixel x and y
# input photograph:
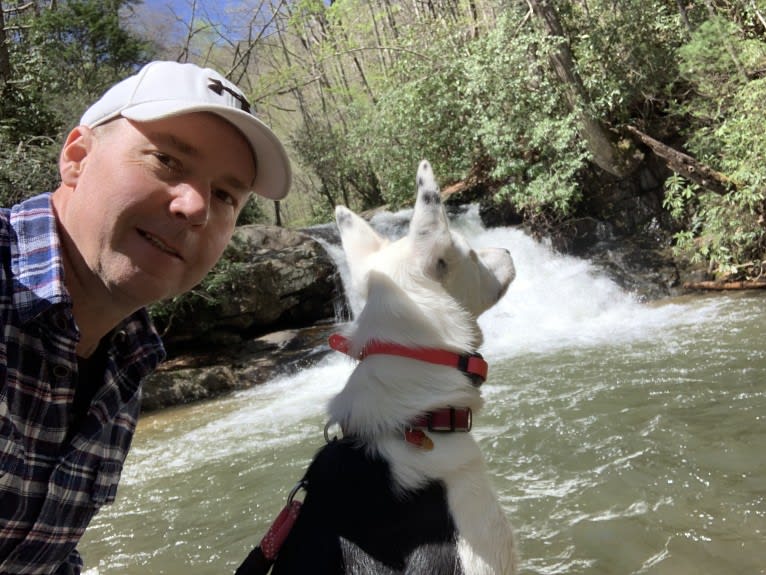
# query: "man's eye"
{"type": "Point", "coordinates": [225, 197]}
{"type": "Point", "coordinates": [167, 161]}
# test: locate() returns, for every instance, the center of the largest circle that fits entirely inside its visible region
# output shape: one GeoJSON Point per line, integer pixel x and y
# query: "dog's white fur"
{"type": "Point", "coordinates": [426, 289]}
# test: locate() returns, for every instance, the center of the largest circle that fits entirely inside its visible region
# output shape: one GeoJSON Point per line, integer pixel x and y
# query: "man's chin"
{"type": "Point", "coordinates": [141, 290]}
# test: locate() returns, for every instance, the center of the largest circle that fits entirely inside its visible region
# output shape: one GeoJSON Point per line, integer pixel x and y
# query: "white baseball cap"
{"type": "Point", "coordinates": [165, 89]}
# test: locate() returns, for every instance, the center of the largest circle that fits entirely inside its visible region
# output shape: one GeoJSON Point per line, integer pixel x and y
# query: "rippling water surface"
{"type": "Point", "coordinates": [623, 438]}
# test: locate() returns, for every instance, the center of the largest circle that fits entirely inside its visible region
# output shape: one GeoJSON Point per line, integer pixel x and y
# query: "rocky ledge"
{"type": "Point", "coordinates": [255, 327]}
{"type": "Point", "coordinates": [189, 378]}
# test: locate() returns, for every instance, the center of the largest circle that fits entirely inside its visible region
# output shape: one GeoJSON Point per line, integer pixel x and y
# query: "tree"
{"type": "Point", "coordinates": [61, 55]}
{"type": "Point", "coordinates": [523, 96]}
{"type": "Point", "coordinates": [5, 57]}
{"type": "Point", "coordinates": [724, 113]}
{"type": "Point", "coordinates": [601, 144]}
{"type": "Point", "coordinates": [84, 48]}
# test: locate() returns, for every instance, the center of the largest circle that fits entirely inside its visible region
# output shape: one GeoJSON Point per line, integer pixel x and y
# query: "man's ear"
{"type": "Point", "coordinates": [76, 148]}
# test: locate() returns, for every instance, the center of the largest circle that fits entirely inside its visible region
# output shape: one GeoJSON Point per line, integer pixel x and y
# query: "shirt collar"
{"type": "Point", "coordinates": [36, 258]}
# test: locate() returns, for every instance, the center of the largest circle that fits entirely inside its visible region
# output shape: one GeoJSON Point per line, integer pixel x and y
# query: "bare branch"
{"type": "Point", "coordinates": [253, 42]}
{"type": "Point", "coordinates": [18, 9]}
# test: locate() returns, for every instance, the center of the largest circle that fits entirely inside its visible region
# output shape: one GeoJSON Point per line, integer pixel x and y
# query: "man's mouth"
{"type": "Point", "coordinates": [157, 242]}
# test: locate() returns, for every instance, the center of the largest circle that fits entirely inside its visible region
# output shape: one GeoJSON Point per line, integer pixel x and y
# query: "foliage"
{"type": "Point", "coordinates": [706, 63]}
{"type": "Point", "coordinates": [85, 47]}
{"type": "Point", "coordinates": [343, 173]}
{"type": "Point", "coordinates": [252, 213]}
{"type": "Point", "coordinates": [26, 169]}
{"type": "Point", "coordinates": [425, 117]}
{"type": "Point", "coordinates": [459, 103]}
{"type": "Point", "coordinates": [25, 106]}
{"type": "Point", "coordinates": [625, 52]}
{"type": "Point", "coordinates": [727, 132]}
{"type": "Point", "coordinates": [522, 123]}
{"type": "Point", "coordinates": [720, 230]}
{"type": "Point", "coordinates": [62, 59]}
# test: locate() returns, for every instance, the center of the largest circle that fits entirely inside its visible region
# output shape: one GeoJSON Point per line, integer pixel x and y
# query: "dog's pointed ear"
{"type": "Point", "coordinates": [357, 236]}
{"type": "Point", "coordinates": [429, 218]}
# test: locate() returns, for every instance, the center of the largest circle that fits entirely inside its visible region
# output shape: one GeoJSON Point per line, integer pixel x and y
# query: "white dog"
{"type": "Point", "coordinates": [405, 491]}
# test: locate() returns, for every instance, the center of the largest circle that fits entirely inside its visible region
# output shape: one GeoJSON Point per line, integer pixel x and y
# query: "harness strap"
{"type": "Point", "coordinates": [260, 559]}
{"type": "Point", "coordinates": [279, 530]}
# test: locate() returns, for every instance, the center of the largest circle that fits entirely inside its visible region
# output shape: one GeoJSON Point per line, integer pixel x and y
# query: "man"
{"type": "Point", "coordinates": [152, 182]}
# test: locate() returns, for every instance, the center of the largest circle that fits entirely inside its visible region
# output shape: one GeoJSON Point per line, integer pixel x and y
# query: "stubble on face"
{"type": "Point", "coordinates": [129, 219]}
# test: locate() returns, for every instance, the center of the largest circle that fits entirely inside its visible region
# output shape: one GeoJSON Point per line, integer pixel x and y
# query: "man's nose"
{"type": "Point", "coordinates": [191, 201]}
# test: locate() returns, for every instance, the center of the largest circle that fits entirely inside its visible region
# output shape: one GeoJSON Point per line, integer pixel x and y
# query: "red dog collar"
{"type": "Point", "coordinates": [446, 419]}
{"type": "Point", "coordinates": [471, 364]}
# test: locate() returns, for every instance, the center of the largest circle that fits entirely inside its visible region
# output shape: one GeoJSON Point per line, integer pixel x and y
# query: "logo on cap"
{"type": "Point", "coordinates": [218, 87]}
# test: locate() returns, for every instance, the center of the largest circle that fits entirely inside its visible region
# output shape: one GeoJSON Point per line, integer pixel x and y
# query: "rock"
{"type": "Point", "coordinates": [639, 261]}
{"type": "Point", "coordinates": [166, 388]}
{"type": "Point", "coordinates": [277, 279]}
{"type": "Point", "coordinates": [274, 278]}
{"type": "Point", "coordinates": [644, 270]}
{"type": "Point", "coordinates": [192, 377]}
{"type": "Point", "coordinates": [499, 213]}
{"type": "Point", "coordinates": [624, 231]}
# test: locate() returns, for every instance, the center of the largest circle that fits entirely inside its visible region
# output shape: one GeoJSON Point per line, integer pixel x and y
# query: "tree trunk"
{"type": "Point", "coordinates": [474, 18]}
{"type": "Point", "coordinates": [391, 20]}
{"type": "Point", "coordinates": [684, 17]}
{"type": "Point", "coordinates": [357, 64]}
{"type": "Point", "coordinates": [316, 66]}
{"type": "Point", "coordinates": [605, 152]}
{"type": "Point", "coordinates": [729, 47]}
{"type": "Point", "coordinates": [295, 90]}
{"type": "Point", "coordinates": [686, 166]}
{"type": "Point", "coordinates": [5, 60]}
{"type": "Point", "coordinates": [379, 40]}
{"type": "Point", "coordinates": [726, 286]}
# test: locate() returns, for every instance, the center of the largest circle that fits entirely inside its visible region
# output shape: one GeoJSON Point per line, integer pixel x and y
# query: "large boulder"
{"type": "Point", "coordinates": [269, 278]}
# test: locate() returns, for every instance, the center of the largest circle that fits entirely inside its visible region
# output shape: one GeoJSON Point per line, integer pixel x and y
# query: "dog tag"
{"type": "Point", "coordinates": [418, 438]}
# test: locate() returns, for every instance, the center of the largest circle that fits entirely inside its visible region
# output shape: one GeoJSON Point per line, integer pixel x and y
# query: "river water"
{"type": "Point", "coordinates": [622, 437]}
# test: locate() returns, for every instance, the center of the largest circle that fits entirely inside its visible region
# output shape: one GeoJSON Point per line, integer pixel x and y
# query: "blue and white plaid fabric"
{"type": "Point", "coordinates": [51, 486]}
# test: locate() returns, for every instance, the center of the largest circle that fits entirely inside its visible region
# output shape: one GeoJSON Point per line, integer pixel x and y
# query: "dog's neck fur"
{"type": "Point", "coordinates": [423, 315]}
{"type": "Point", "coordinates": [385, 393]}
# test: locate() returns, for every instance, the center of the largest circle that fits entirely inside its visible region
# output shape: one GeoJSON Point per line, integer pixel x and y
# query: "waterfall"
{"type": "Point", "coordinates": [556, 301]}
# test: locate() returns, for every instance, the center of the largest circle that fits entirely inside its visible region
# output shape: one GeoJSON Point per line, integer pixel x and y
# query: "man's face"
{"type": "Point", "coordinates": [154, 205]}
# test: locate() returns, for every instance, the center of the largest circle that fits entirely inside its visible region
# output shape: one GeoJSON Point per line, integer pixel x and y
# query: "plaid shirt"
{"type": "Point", "coordinates": [52, 484]}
